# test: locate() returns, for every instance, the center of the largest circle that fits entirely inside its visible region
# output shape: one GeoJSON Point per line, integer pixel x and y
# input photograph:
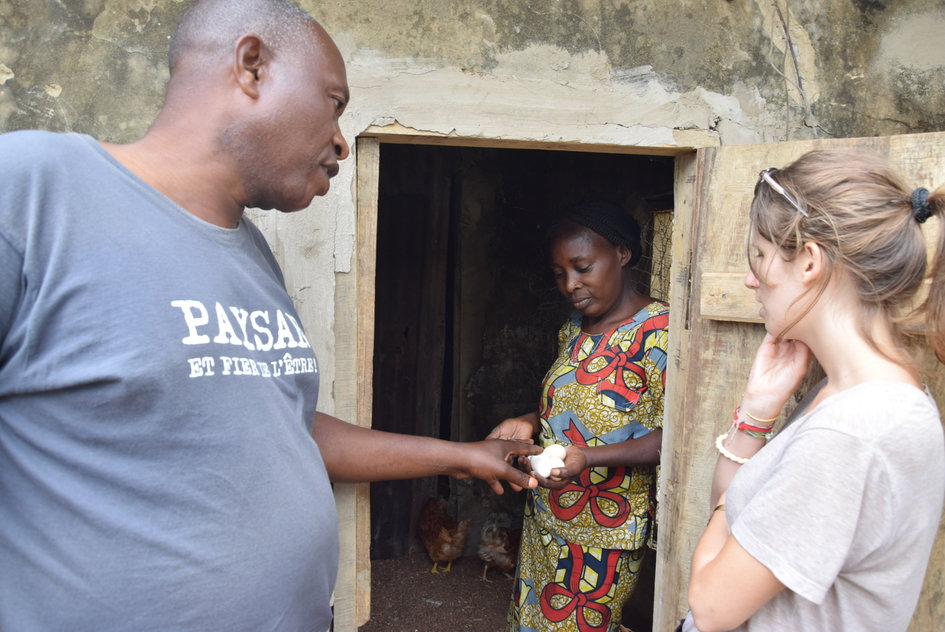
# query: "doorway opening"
{"type": "Point", "coordinates": [467, 313]}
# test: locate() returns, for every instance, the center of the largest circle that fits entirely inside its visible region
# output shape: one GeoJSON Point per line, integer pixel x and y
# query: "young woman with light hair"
{"type": "Point", "coordinates": [828, 525]}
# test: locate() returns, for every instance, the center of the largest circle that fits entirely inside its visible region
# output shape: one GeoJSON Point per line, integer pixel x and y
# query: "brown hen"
{"type": "Point", "coordinates": [442, 536]}
{"type": "Point", "coordinates": [498, 547]}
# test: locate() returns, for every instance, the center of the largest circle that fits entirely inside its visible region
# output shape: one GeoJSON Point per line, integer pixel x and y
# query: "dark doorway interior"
{"type": "Point", "coordinates": [467, 313]}
{"type": "Point", "coordinates": [466, 310]}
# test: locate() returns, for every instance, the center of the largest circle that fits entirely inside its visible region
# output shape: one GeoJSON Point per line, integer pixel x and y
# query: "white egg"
{"type": "Point", "coordinates": [555, 449]}
{"type": "Point", "coordinates": [542, 464]}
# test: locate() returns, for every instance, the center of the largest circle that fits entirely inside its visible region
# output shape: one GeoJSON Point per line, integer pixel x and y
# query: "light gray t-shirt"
{"type": "Point", "coordinates": [156, 398]}
{"type": "Point", "coordinates": [843, 507]}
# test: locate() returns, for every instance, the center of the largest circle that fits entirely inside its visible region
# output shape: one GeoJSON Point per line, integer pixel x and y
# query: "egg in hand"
{"type": "Point", "coordinates": [549, 459]}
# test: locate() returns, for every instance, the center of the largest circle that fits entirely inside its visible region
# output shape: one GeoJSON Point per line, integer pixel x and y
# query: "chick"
{"type": "Point", "coordinates": [498, 546]}
{"type": "Point", "coordinates": [442, 536]}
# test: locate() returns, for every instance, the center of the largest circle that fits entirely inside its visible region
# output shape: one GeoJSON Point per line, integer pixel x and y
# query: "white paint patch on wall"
{"type": "Point", "coordinates": [555, 64]}
{"type": "Point", "coordinates": [914, 42]}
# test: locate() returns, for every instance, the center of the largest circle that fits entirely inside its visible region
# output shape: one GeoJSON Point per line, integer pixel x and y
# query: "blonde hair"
{"type": "Point", "coordinates": [861, 214]}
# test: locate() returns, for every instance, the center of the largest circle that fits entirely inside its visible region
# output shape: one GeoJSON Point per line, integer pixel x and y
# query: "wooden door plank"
{"type": "Point", "coordinates": [354, 294]}
{"type": "Point", "coordinates": [675, 476]}
{"type": "Point", "coordinates": [724, 297]}
{"type": "Point", "coordinates": [369, 158]}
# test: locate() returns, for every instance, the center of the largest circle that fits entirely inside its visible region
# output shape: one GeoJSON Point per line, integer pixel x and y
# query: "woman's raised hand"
{"type": "Point", "coordinates": [520, 428]}
{"type": "Point", "coordinates": [777, 371]}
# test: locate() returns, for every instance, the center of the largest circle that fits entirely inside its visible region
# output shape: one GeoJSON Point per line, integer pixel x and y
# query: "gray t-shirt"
{"type": "Point", "coordinates": [156, 397]}
{"type": "Point", "coordinates": [843, 507]}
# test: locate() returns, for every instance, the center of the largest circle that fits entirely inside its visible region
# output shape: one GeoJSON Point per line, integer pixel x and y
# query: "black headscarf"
{"type": "Point", "coordinates": [607, 220]}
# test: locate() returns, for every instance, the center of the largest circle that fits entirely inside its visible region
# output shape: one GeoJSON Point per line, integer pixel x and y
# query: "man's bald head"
{"type": "Point", "coordinates": [210, 28]}
{"type": "Point", "coordinates": [256, 91]}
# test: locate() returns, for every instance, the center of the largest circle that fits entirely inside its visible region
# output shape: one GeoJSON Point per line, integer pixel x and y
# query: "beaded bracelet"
{"type": "Point", "coordinates": [726, 452]}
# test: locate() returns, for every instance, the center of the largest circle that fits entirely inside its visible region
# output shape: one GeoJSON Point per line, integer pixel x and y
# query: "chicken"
{"type": "Point", "coordinates": [443, 537]}
{"type": "Point", "coordinates": [498, 546]}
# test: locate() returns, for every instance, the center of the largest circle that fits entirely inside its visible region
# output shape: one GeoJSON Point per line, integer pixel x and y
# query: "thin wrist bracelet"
{"type": "Point", "coordinates": [760, 420]}
{"type": "Point", "coordinates": [754, 431]}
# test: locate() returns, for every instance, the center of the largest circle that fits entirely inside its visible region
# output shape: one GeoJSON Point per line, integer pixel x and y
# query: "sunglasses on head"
{"type": "Point", "coordinates": [771, 182]}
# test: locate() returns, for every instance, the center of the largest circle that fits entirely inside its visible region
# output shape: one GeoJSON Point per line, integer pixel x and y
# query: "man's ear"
{"type": "Point", "coordinates": [250, 58]}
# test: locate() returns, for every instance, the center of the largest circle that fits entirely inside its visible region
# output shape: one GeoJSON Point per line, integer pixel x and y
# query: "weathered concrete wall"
{"type": "Point", "coordinates": [641, 72]}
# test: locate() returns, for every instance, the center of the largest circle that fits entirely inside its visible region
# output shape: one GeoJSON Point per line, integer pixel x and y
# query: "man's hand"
{"type": "Point", "coordinates": [491, 460]}
{"type": "Point", "coordinates": [359, 455]}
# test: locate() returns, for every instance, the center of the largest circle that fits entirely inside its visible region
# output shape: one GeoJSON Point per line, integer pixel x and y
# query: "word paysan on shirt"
{"type": "Point", "coordinates": [262, 330]}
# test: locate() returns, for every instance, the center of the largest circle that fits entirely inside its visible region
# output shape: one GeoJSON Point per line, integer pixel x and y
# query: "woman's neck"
{"type": "Point", "coordinates": [848, 358]}
{"type": "Point", "coordinates": [629, 304]}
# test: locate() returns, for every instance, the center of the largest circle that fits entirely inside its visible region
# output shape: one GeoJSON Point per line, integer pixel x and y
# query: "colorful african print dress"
{"type": "Point", "coordinates": [582, 545]}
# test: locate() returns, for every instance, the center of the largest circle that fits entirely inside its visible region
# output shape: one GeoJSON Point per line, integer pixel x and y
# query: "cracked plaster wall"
{"type": "Point", "coordinates": [641, 72]}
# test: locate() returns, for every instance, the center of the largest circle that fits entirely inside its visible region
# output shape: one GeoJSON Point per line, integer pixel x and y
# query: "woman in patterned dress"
{"type": "Point", "coordinates": [587, 524]}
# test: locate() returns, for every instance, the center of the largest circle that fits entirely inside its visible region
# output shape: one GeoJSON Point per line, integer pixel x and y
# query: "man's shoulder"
{"type": "Point", "coordinates": [36, 146]}
{"type": "Point", "coordinates": [35, 137]}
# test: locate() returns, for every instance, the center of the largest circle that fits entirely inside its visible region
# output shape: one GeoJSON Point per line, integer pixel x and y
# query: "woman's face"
{"type": "Point", "coordinates": [588, 270]}
{"type": "Point", "coordinates": [776, 284]}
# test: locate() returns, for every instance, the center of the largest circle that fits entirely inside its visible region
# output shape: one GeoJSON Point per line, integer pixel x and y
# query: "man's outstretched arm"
{"type": "Point", "coordinates": [355, 455]}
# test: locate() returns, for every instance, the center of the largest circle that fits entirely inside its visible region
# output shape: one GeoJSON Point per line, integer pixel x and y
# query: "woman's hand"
{"type": "Point", "coordinates": [776, 373]}
{"type": "Point", "coordinates": [520, 428]}
{"type": "Point", "coordinates": [575, 462]}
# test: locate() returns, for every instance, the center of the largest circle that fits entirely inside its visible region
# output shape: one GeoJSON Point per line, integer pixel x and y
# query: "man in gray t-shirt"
{"type": "Point", "coordinates": [157, 389]}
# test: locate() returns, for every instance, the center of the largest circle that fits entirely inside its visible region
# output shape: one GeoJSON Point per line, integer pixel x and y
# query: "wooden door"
{"type": "Point", "coordinates": [715, 330]}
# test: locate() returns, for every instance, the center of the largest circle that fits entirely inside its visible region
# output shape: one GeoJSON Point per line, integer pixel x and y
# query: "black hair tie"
{"type": "Point", "coordinates": [920, 205]}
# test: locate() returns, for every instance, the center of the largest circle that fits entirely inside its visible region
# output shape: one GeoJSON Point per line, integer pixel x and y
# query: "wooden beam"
{"type": "Point", "coordinates": [723, 296]}
{"type": "Point", "coordinates": [401, 135]}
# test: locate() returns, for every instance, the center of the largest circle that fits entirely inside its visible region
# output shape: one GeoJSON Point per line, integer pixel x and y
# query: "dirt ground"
{"type": "Point", "coordinates": [407, 597]}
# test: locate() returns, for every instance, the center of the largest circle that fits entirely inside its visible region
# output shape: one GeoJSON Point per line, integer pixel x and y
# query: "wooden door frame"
{"type": "Point", "coordinates": [354, 361]}
{"type": "Point", "coordinates": [355, 294]}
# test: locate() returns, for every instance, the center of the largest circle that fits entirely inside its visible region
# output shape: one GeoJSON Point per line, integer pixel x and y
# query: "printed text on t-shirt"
{"type": "Point", "coordinates": [256, 331]}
